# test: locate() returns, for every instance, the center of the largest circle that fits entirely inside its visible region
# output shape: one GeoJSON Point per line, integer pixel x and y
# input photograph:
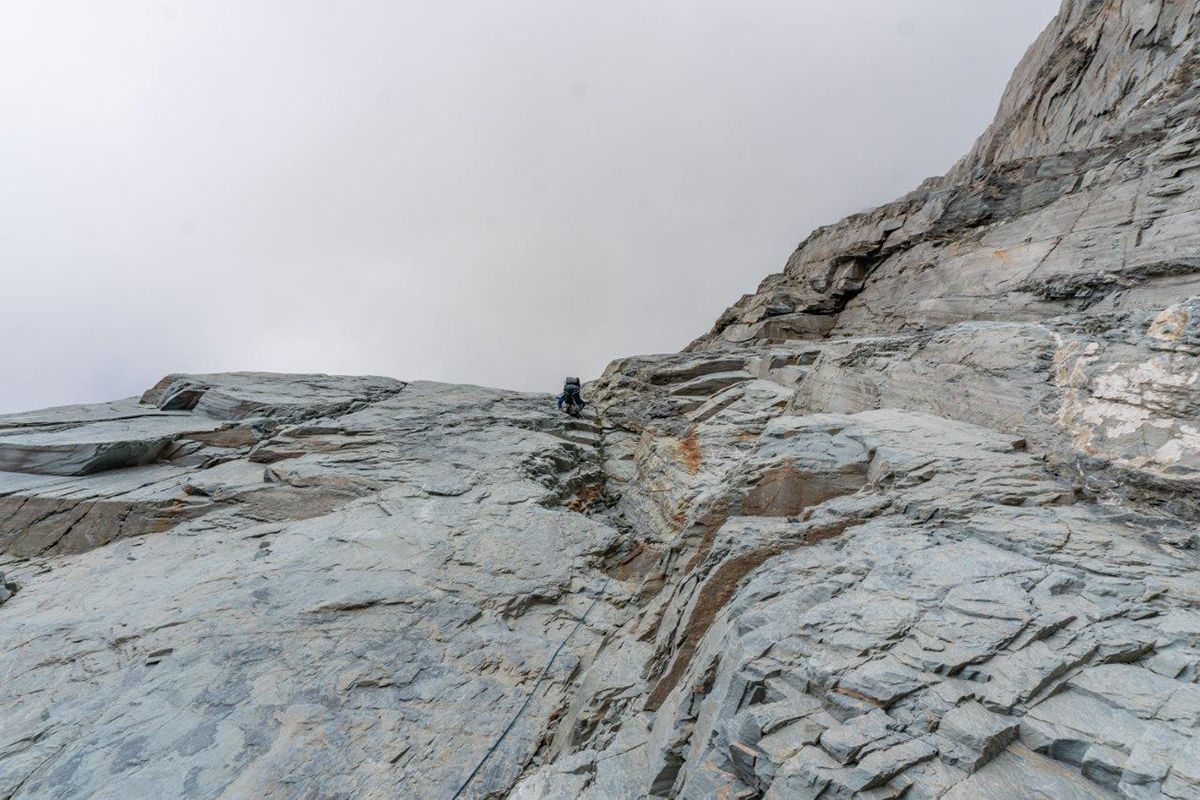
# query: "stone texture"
{"type": "Point", "coordinates": [320, 628]}
{"type": "Point", "coordinates": [916, 519]}
{"type": "Point", "coordinates": [974, 735]}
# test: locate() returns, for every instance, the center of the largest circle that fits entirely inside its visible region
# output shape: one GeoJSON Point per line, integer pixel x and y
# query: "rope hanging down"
{"type": "Point", "coordinates": [529, 698]}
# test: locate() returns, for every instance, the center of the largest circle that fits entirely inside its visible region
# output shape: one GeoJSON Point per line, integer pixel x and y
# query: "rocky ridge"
{"type": "Point", "coordinates": [916, 519]}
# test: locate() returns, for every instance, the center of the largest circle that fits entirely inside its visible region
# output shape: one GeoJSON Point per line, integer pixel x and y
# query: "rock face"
{"type": "Point", "coordinates": [332, 604]}
{"type": "Point", "coordinates": [916, 519]}
{"type": "Point", "coordinates": [1051, 268]}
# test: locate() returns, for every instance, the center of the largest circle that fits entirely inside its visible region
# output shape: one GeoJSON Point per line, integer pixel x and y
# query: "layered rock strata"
{"type": "Point", "coordinates": [916, 519]}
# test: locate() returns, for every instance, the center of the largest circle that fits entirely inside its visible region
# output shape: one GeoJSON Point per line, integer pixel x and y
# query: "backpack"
{"type": "Point", "coordinates": [571, 385]}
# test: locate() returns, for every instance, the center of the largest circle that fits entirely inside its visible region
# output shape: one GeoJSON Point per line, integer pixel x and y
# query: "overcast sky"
{"type": "Point", "coordinates": [492, 192]}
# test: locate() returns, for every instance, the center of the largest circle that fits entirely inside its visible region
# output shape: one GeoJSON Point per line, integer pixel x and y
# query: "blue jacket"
{"type": "Point", "coordinates": [562, 398]}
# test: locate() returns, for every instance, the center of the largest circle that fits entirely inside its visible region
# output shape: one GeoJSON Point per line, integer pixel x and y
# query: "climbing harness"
{"type": "Point", "coordinates": [529, 698]}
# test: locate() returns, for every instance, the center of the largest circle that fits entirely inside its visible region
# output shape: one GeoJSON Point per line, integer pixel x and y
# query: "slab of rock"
{"type": "Point", "coordinates": [94, 446]}
{"type": "Point", "coordinates": [1018, 772]}
{"type": "Point", "coordinates": [290, 398]}
{"type": "Point", "coordinates": [975, 735]}
{"type": "Point", "coordinates": [844, 742]}
{"type": "Point", "coordinates": [283, 651]}
{"type": "Point", "coordinates": [917, 518]}
{"type": "Point", "coordinates": [880, 766]}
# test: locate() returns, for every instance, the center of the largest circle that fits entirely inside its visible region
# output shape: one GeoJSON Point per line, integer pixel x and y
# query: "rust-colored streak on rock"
{"type": "Point", "coordinates": [31, 526]}
{"type": "Point", "coordinates": [711, 523]}
{"type": "Point", "coordinates": [233, 436]}
{"type": "Point", "coordinates": [689, 450]}
{"type": "Point", "coordinates": [717, 592]}
{"type": "Point", "coordinates": [586, 497]}
{"type": "Point", "coordinates": [786, 491]}
{"type": "Point", "coordinates": [637, 563]}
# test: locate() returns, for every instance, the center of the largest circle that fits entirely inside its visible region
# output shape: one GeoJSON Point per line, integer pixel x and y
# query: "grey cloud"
{"type": "Point", "coordinates": [492, 192]}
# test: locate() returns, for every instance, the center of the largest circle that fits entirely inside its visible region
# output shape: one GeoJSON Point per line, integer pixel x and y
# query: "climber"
{"type": "Point", "coordinates": [571, 398]}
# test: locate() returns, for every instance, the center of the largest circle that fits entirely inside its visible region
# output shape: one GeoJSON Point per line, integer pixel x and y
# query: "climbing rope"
{"type": "Point", "coordinates": [529, 698]}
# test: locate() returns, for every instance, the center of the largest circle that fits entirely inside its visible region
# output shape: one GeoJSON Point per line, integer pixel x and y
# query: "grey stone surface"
{"type": "Point", "coordinates": [960, 489]}
{"type": "Point", "coordinates": [974, 735]}
{"type": "Point", "coordinates": [7, 589]}
{"type": "Point", "coordinates": [321, 632]}
{"type": "Point", "coordinates": [94, 446]}
{"type": "Point", "coordinates": [916, 519]}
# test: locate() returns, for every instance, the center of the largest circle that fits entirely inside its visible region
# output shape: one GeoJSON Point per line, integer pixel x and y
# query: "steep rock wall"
{"type": "Point", "coordinates": [916, 519]}
{"type": "Point", "coordinates": [1070, 235]}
